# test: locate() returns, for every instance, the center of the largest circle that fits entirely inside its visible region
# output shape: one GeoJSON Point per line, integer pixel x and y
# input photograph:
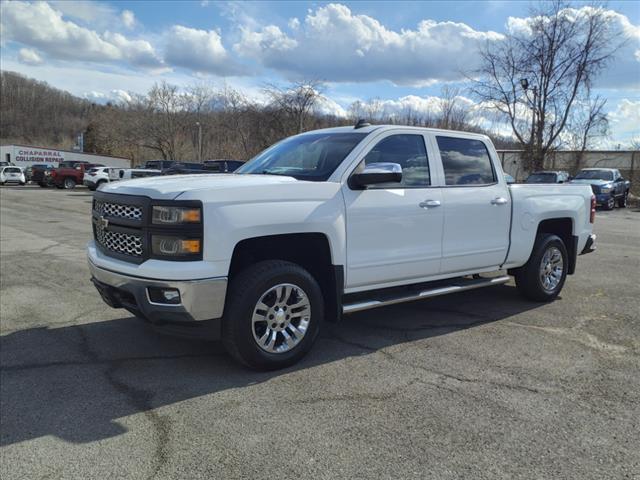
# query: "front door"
{"type": "Point", "coordinates": [394, 231]}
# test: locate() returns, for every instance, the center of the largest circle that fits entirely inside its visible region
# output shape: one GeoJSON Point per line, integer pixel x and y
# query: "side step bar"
{"type": "Point", "coordinates": [458, 286]}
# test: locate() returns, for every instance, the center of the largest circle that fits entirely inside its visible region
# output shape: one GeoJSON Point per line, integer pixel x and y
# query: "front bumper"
{"type": "Point", "coordinates": [200, 300]}
{"type": "Point", "coordinates": [603, 198]}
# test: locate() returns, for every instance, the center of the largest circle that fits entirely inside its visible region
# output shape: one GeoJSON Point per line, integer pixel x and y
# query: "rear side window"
{"type": "Point", "coordinates": [410, 153]}
{"type": "Point", "coordinates": [465, 161]}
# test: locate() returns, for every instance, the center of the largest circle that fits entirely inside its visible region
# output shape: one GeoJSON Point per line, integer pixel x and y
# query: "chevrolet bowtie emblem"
{"type": "Point", "coordinates": [102, 222]}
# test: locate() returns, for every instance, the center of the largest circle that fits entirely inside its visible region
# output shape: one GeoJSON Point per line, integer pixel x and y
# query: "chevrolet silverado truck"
{"type": "Point", "coordinates": [327, 223]}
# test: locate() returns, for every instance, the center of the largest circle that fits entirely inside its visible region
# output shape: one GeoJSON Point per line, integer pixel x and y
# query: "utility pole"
{"type": "Point", "coordinates": [524, 82]}
{"type": "Point", "coordinates": [199, 142]}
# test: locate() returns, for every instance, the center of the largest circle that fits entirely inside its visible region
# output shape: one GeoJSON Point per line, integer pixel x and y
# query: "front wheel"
{"type": "Point", "coordinates": [541, 279]}
{"type": "Point", "coordinates": [273, 315]}
{"type": "Point", "coordinates": [611, 203]}
{"type": "Point", "coordinates": [69, 183]}
{"type": "Point", "coordinates": [623, 200]}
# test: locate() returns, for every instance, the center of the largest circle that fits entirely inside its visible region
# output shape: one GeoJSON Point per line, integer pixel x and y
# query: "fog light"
{"type": "Point", "coordinates": [170, 296]}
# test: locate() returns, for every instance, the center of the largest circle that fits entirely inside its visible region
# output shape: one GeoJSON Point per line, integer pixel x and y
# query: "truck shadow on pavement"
{"type": "Point", "coordinates": [78, 382]}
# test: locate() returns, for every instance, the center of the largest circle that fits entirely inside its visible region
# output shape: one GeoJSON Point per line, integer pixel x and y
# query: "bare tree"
{"type": "Point", "coordinates": [296, 100]}
{"type": "Point", "coordinates": [534, 76]}
{"type": "Point", "coordinates": [587, 123]}
{"type": "Point", "coordinates": [454, 114]}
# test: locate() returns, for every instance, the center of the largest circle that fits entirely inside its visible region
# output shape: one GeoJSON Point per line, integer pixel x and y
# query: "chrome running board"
{"type": "Point", "coordinates": [458, 286]}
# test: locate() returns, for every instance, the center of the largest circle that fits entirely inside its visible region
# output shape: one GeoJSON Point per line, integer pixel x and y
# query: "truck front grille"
{"type": "Point", "coordinates": [119, 242]}
{"type": "Point", "coordinates": [131, 212]}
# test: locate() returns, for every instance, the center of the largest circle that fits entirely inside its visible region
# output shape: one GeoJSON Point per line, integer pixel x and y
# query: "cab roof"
{"type": "Point", "coordinates": [381, 128]}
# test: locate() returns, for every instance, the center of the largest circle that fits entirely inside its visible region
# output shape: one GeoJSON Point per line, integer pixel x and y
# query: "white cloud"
{"type": "Point", "coordinates": [128, 19]}
{"type": "Point", "coordinates": [199, 50]}
{"type": "Point", "coordinates": [334, 44]}
{"type": "Point", "coordinates": [40, 26]}
{"type": "Point", "coordinates": [114, 96]}
{"type": "Point", "coordinates": [625, 121]}
{"type": "Point", "coordinates": [29, 56]}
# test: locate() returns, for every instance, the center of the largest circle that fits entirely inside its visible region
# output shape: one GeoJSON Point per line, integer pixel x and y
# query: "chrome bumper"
{"type": "Point", "coordinates": [199, 299]}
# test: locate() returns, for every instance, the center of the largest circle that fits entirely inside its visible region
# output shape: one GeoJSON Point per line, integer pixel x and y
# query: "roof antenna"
{"type": "Point", "coordinates": [361, 123]}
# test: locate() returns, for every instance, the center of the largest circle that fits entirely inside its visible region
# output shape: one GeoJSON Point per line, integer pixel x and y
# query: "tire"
{"type": "Point", "coordinates": [93, 189]}
{"type": "Point", "coordinates": [69, 183]}
{"type": "Point", "coordinates": [623, 200]}
{"type": "Point", "coordinates": [42, 185]}
{"type": "Point", "coordinates": [101, 182]}
{"type": "Point", "coordinates": [611, 203]}
{"type": "Point", "coordinates": [263, 282]}
{"type": "Point", "coordinates": [22, 184]}
{"type": "Point", "coordinates": [529, 278]}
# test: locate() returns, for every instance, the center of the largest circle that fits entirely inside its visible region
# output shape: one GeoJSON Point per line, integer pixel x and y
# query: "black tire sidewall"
{"type": "Point", "coordinates": [237, 325]}
{"type": "Point", "coordinates": [528, 278]}
{"type": "Point", "coordinates": [69, 183]}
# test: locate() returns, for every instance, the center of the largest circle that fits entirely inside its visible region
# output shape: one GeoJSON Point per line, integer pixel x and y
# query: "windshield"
{"type": "Point", "coordinates": [595, 175]}
{"type": "Point", "coordinates": [541, 178]}
{"type": "Point", "coordinates": [313, 156]}
{"type": "Point", "coordinates": [12, 170]}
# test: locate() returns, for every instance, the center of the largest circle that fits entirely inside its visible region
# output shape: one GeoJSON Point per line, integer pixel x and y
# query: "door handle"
{"type": "Point", "coordinates": [499, 201]}
{"type": "Point", "coordinates": [429, 204]}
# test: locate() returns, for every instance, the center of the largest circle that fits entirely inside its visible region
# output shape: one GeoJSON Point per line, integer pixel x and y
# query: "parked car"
{"type": "Point", "coordinates": [158, 164]}
{"type": "Point", "coordinates": [41, 174]}
{"type": "Point", "coordinates": [608, 185]}
{"type": "Point", "coordinates": [548, 177]}
{"type": "Point", "coordinates": [185, 168]}
{"type": "Point", "coordinates": [327, 223]}
{"type": "Point", "coordinates": [71, 173]}
{"type": "Point", "coordinates": [116, 174]}
{"type": "Point", "coordinates": [12, 175]}
{"type": "Point", "coordinates": [94, 177]}
{"type": "Point", "coordinates": [31, 170]}
{"type": "Point", "coordinates": [223, 166]}
{"type": "Point", "coordinates": [509, 179]}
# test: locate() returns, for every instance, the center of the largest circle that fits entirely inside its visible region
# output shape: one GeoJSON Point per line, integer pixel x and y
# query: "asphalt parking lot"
{"type": "Point", "coordinates": [475, 385]}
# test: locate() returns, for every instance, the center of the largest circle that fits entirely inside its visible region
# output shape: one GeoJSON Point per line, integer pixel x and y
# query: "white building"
{"type": "Point", "coordinates": [26, 155]}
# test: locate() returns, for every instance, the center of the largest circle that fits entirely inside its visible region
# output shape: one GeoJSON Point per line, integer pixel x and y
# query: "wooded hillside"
{"type": "Point", "coordinates": [198, 122]}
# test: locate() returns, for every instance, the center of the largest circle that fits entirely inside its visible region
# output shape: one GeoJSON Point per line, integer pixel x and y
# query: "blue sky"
{"type": "Point", "coordinates": [400, 52]}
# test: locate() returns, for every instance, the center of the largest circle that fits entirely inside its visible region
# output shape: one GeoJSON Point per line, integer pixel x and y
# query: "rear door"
{"type": "Point", "coordinates": [477, 205]}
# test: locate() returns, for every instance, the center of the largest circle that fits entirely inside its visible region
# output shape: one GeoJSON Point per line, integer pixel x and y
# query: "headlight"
{"type": "Point", "coordinates": [606, 188]}
{"type": "Point", "coordinates": [175, 215]}
{"type": "Point", "coordinates": [168, 246]}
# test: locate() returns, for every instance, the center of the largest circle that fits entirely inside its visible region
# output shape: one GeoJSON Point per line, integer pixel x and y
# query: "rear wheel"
{"type": "Point", "coordinates": [541, 279]}
{"type": "Point", "coordinates": [69, 183]}
{"type": "Point", "coordinates": [273, 315]}
{"type": "Point", "coordinates": [623, 200]}
{"type": "Point", "coordinates": [42, 185]}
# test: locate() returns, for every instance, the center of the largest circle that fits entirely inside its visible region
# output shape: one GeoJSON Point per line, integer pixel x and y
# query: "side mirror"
{"type": "Point", "coordinates": [376, 173]}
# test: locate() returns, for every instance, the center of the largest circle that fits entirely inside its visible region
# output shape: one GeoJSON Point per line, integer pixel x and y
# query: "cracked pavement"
{"type": "Point", "coordinates": [477, 385]}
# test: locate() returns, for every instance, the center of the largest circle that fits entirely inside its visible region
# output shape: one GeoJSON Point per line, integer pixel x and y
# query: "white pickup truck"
{"type": "Point", "coordinates": [327, 223]}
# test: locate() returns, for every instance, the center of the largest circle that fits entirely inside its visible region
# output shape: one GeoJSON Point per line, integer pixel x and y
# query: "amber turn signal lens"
{"type": "Point", "coordinates": [191, 246]}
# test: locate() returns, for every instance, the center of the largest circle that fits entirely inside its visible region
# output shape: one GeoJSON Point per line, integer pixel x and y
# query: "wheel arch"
{"type": "Point", "coordinates": [563, 228]}
{"type": "Point", "coordinates": [310, 250]}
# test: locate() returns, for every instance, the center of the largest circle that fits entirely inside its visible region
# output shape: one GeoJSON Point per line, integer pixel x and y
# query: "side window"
{"type": "Point", "coordinates": [465, 161]}
{"type": "Point", "coordinates": [410, 153]}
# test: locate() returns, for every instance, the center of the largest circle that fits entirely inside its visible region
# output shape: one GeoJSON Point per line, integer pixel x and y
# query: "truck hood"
{"type": "Point", "coordinates": [171, 186]}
